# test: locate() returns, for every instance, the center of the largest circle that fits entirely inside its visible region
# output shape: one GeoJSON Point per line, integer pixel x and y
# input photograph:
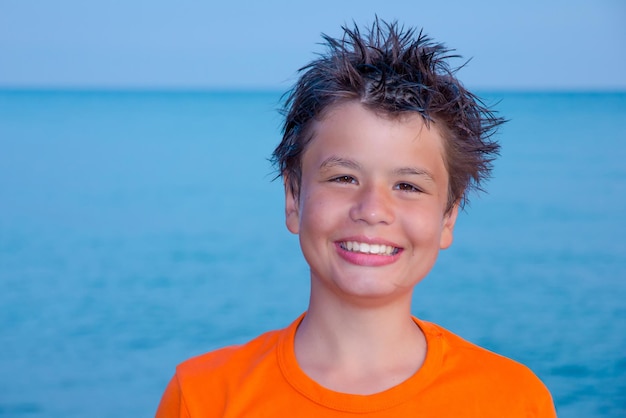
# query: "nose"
{"type": "Point", "coordinates": [373, 205]}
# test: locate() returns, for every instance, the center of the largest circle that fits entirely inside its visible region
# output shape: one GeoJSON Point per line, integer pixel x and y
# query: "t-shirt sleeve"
{"type": "Point", "coordinates": [172, 404]}
{"type": "Point", "coordinates": [545, 405]}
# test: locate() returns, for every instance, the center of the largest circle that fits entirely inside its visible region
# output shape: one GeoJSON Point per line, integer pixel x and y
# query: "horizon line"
{"type": "Point", "coordinates": [275, 89]}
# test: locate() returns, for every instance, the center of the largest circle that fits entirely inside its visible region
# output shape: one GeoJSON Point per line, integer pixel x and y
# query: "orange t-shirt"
{"type": "Point", "coordinates": [262, 379]}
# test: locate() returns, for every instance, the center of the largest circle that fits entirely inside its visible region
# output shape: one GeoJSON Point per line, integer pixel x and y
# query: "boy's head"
{"type": "Point", "coordinates": [392, 71]}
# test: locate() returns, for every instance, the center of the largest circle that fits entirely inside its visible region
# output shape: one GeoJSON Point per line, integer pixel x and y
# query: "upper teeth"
{"type": "Point", "coordinates": [369, 248]}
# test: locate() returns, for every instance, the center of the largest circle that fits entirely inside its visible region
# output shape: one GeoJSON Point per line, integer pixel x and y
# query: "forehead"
{"type": "Point", "coordinates": [338, 111]}
{"type": "Point", "coordinates": [351, 118]}
{"type": "Point", "coordinates": [351, 130]}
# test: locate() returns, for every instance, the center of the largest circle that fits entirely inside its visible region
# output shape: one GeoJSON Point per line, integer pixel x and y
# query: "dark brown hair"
{"type": "Point", "coordinates": [392, 71]}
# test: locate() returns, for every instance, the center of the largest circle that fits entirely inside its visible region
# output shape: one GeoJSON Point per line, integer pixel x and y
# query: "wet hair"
{"type": "Point", "coordinates": [392, 71]}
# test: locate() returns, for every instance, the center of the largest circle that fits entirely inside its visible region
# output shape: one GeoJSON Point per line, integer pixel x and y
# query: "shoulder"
{"type": "Point", "coordinates": [471, 369]}
{"type": "Point", "coordinates": [202, 384]}
{"type": "Point", "coordinates": [466, 354]}
{"type": "Point", "coordinates": [229, 360]}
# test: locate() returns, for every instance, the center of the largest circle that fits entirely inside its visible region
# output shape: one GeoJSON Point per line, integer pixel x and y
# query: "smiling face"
{"type": "Point", "coordinates": [371, 210]}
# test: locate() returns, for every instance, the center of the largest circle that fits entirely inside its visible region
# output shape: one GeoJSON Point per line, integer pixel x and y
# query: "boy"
{"type": "Point", "coordinates": [381, 145]}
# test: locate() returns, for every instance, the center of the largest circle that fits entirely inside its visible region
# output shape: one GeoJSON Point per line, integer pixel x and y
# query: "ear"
{"type": "Point", "coordinates": [292, 214]}
{"type": "Point", "coordinates": [447, 230]}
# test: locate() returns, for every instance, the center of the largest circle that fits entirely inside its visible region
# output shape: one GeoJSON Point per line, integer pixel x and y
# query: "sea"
{"type": "Point", "coordinates": [140, 228]}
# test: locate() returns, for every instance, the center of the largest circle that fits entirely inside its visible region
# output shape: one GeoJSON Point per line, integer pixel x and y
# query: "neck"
{"type": "Point", "coordinates": [359, 347]}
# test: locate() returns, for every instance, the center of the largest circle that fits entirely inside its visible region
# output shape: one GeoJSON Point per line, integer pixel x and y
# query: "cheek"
{"type": "Point", "coordinates": [423, 227]}
{"type": "Point", "coordinates": [309, 209]}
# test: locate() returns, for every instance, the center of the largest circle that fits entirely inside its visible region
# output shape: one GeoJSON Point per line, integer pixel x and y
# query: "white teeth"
{"type": "Point", "coordinates": [366, 248]}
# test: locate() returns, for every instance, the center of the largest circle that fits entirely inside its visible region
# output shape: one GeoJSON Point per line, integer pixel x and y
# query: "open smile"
{"type": "Point", "coordinates": [365, 248]}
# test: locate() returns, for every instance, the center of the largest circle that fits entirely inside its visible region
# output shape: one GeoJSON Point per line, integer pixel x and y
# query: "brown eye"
{"type": "Point", "coordinates": [407, 187]}
{"type": "Point", "coordinates": [344, 179]}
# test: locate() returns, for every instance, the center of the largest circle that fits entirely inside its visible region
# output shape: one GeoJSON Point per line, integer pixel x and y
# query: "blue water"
{"type": "Point", "coordinates": [139, 228]}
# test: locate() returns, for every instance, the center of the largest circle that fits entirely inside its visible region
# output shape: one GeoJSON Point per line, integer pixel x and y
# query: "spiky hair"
{"type": "Point", "coordinates": [392, 71]}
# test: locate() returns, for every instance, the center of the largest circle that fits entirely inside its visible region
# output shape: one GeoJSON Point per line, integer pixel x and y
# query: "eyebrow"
{"type": "Point", "coordinates": [335, 161]}
{"type": "Point", "coordinates": [414, 171]}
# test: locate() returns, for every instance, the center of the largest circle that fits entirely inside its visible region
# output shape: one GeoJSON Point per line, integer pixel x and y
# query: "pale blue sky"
{"type": "Point", "coordinates": [530, 44]}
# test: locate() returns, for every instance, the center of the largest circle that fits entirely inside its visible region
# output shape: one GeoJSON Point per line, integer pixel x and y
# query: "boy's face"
{"type": "Point", "coordinates": [371, 213]}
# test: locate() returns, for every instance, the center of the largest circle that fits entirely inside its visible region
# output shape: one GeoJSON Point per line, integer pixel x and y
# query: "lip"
{"type": "Point", "coordinates": [368, 260]}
